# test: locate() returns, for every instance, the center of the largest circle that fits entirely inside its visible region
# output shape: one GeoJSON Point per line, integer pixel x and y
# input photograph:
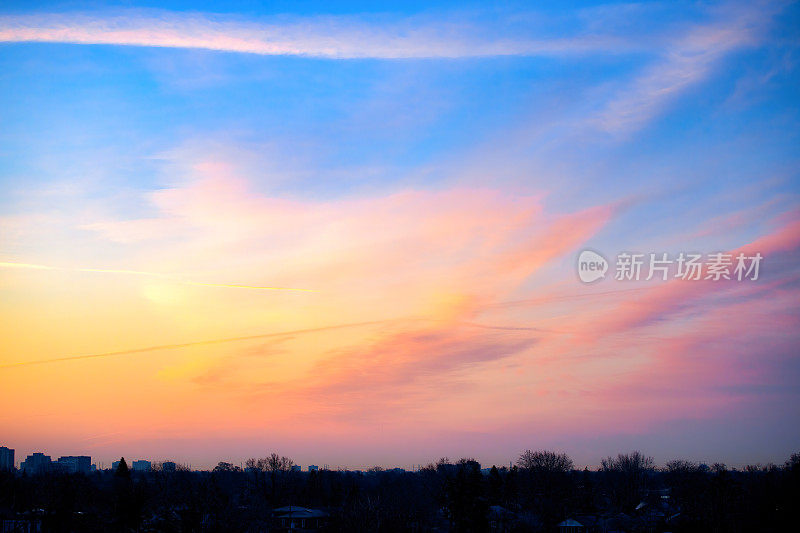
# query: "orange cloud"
{"type": "Point", "coordinates": [419, 271]}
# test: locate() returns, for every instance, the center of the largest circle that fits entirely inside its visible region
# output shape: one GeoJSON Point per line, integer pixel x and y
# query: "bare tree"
{"type": "Point", "coordinates": [634, 462]}
{"type": "Point", "coordinates": [546, 483]}
{"type": "Point", "coordinates": [277, 465]}
{"type": "Point", "coordinates": [681, 466]}
{"type": "Point", "coordinates": [628, 476]}
{"type": "Point", "coordinates": [256, 465]}
{"type": "Point", "coordinates": [545, 461]}
{"type": "Point", "coordinates": [223, 466]}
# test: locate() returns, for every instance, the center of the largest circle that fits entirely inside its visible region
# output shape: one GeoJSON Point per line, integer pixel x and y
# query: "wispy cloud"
{"type": "Point", "coordinates": [663, 301]}
{"type": "Point", "coordinates": [146, 349]}
{"type": "Point", "coordinates": [166, 277]}
{"type": "Point", "coordinates": [680, 54]}
{"type": "Point", "coordinates": [321, 36]}
{"type": "Point", "coordinates": [684, 62]}
{"type": "Point", "coordinates": [430, 35]}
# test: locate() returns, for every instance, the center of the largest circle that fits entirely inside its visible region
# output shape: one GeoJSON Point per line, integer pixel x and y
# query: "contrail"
{"type": "Point", "coordinates": [189, 344]}
{"type": "Point", "coordinates": [166, 277]}
{"type": "Point", "coordinates": [245, 338]}
{"type": "Point", "coordinates": [26, 265]}
{"type": "Point", "coordinates": [558, 298]}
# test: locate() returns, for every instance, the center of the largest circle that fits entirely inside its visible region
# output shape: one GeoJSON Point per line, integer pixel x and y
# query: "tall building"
{"type": "Point", "coordinates": [37, 463]}
{"type": "Point", "coordinates": [168, 466]}
{"type": "Point", "coordinates": [313, 468]}
{"type": "Point", "coordinates": [76, 464]}
{"type": "Point", "coordinates": [6, 458]}
{"type": "Point", "coordinates": [141, 466]}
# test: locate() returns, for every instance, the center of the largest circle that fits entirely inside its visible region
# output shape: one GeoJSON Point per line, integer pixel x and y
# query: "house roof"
{"type": "Point", "coordinates": [298, 512]}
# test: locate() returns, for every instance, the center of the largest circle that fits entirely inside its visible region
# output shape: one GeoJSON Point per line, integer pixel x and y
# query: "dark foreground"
{"type": "Point", "coordinates": [542, 492]}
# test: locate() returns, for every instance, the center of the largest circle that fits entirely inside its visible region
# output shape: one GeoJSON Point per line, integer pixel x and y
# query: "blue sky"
{"type": "Point", "coordinates": [404, 115]}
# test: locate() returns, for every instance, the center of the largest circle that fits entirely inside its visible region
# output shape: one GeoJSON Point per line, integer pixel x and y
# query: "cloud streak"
{"type": "Point", "coordinates": [328, 37]}
{"type": "Point", "coordinates": [679, 56]}
{"type": "Point", "coordinates": [165, 277]}
{"type": "Point", "coordinates": [146, 349]}
{"type": "Point", "coordinates": [685, 62]}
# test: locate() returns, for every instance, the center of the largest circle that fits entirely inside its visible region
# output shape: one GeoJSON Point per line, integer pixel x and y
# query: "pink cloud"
{"type": "Point", "coordinates": [427, 263]}
{"type": "Point", "coordinates": [663, 300]}
{"type": "Point", "coordinates": [321, 36]}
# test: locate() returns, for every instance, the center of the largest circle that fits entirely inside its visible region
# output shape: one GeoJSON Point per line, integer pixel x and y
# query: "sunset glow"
{"type": "Point", "coordinates": [353, 235]}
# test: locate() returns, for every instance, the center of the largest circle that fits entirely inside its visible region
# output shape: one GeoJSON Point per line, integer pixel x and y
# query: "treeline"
{"type": "Point", "coordinates": [543, 488]}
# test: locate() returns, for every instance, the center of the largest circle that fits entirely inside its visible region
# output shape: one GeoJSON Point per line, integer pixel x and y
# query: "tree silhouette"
{"type": "Point", "coordinates": [122, 470]}
{"type": "Point", "coordinates": [277, 465]}
{"type": "Point", "coordinates": [685, 497]}
{"type": "Point", "coordinates": [627, 477]}
{"type": "Point", "coordinates": [547, 479]}
{"type": "Point", "coordinates": [495, 486]}
{"type": "Point", "coordinates": [545, 461]}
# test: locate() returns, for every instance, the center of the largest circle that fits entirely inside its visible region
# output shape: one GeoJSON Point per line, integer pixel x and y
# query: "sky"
{"type": "Point", "coordinates": [349, 232]}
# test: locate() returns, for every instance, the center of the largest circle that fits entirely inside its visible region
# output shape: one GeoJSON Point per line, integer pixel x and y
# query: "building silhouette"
{"type": "Point", "coordinates": [6, 458]}
{"type": "Point", "coordinates": [37, 463]}
{"type": "Point", "coordinates": [141, 466]}
{"type": "Point", "coordinates": [76, 464]}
